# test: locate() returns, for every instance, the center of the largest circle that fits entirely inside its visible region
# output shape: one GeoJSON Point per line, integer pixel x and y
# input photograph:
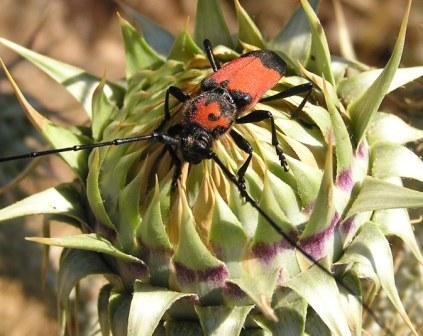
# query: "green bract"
{"type": "Point", "coordinates": [198, 260]}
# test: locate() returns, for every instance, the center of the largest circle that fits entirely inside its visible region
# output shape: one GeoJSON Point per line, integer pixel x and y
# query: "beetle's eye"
{"type": "Point", "coordinates": [241, 99]}
{"type": "Point", "coordinates": [246, 99]}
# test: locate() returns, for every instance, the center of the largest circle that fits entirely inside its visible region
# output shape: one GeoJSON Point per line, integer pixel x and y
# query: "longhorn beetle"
{"type": "Point", "coordinates": [224, 96]}
{"type": "Point", "coordinates": [230, 90]}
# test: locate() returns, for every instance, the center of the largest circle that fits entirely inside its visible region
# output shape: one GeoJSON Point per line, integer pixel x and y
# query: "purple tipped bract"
{"type": "Point", "coordinates": [345, 180]}
{"type": "Point", "coordinates": [267, 252]}
{"type": "Point", "coordinates": [185, 275]}
{"type": "Point", "coordinates": [315, 245]}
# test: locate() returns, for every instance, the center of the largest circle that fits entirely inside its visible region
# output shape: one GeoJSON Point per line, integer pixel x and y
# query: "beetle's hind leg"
{"type": "Point", "coordinates": [306, 88]}
{"type": "Point", "coordinates": [245, 146]}
{"type": "Point", "coordinates": [260, 115]}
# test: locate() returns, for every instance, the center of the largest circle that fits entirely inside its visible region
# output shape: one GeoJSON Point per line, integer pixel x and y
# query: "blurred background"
{"type": "Point", "coordinates": [86, 33]}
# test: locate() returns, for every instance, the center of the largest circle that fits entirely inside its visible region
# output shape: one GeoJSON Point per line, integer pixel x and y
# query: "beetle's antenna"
{"type": "Point", "coordinates": [292, 242]}
{"type": "Point", "coordinates": [161, 137]}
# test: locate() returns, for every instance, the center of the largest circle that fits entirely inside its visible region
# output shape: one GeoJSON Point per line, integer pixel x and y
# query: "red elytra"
{"type": "Point", "coordinates": [253, 73]}
{"type": "Point", "coordinates": [233, 89]}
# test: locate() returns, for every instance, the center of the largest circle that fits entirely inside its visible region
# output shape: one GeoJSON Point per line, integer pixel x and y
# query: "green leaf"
{"type": "Point", "coordinates": [148, 305]}
{"type": "Point", "coordinates": [247, 30]}
{"type": "Point", "coordinates": [182, 328]}
{"type": "Point", "coordinates": [394, 160]}
{"type": "Point", "coordinates": [397, 222]}
{"type": "Point", "coordinates": [129, 215]}
{"type": "Point", "coordinates": [344, 150]}
{"type": "Point", "coordinates": [227, 236]}
{"type": "Point", "coordinates": [340, 66]}
{"type": "Point", "coordinates": [221, 320]}
{"type": "Point", "coordinates": [245, 213]}
{"type": "Point", "coordinates": [191, 251]}
{"type": "Point", "coordinates": [324, 209]}
{"type": "Point", "coordinates": [79, 83]}
{"type": "Point", "coordinates": [138, 54]}
{"type": "Point", "coordinates": [381, 130]}
{"type": "Point", "coordinates": [63, 199]}
{"type": "Point", "coordinates": [259, 285]}
{"type": "Point", "coordinates": [193, 256]}
{"type": "Point", "coordinates": [353, 308]}
{"type": "Point", "coordinates": [103, 111]}
{"type": "Point", "coordinates": [320, 117]}
{"type": "Point", "coordinates": [57, 136]}
{"type": "Point", "coordinates": [89, 242]}
{"type": "Point", "coordinates": [352, 88]}
{"type": "Point", "coordinates": [308, 181]}
{"type": "Point", "coordinates": [315, 326]}
{"type": "Point", "coordinates": [376, 194]}
{"type": "Point", "coordinates": [295, 130]}
{"type": "Point", "coordinates": [60, 137]}
{"type": "Point", "coordinates": [184, 48]}
{"type": "Point", "coordinates": [294, 40]}
{"type": "Point", "coordinates": [270, 204]}
{"type": "Point", "coordinates": [76, 265]}
{"type": "Point", "coordinates": [103, 308]}
{"type": "Point", "coordinates": [119, 306]}
{"type": "Point", "coordinates": [364, 107]}
{"type": "Point", "coordinates": [93, 191]}
{"type": "Point", "coordinates": [286, 199]}
{"type": "Point", "coordinates": [155, 35]}
{"type": "Point", "coordinates": [371, 248]}
{"type": "Point", "coordinates": [321, 292]}
{"type": "Point", "coordinates": [291, 311]}
{"type": "Point", "coordinates": [115, 165]}
{"type": "Point", "coordinates": [152, 236]}
{"type": "Point", "coordinates": [210, 24]}
{"type": "Point", "coordinates": [152, 231]}
{"type": "Point", "coordinates": [320, 59]}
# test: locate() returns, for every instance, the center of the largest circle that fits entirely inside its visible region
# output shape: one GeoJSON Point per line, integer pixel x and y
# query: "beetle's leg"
{"type": "Point", "coordinates": [214, 62]}
{"type": "Point", "coordinates": [246, 147]}
{"type": "Point", "coordinates": [295, 90]}
{"type": "Point", "coordinates": [177, 164]}
{"type": "Point", "coordinates": [260, 115]}
{"type": "Point", "coordinates": [179, 95]}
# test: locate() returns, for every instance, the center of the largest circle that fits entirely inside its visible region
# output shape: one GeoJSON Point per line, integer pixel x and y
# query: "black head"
{"type": "Point", "coordinates": [195, 143]}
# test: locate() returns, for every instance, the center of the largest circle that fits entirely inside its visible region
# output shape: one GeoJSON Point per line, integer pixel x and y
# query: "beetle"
{"type": "Point", "coordinates": [230, 90]}
{"type": "Point", "coordinates": [224, 96]}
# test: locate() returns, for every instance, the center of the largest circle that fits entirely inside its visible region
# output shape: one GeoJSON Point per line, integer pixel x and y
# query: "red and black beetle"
{"type": "Point", "coordinates": [230, 90]}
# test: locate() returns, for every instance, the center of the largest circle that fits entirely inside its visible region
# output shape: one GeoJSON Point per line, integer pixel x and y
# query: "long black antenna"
{"type": "Point", "coordinates": [116, 142]}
